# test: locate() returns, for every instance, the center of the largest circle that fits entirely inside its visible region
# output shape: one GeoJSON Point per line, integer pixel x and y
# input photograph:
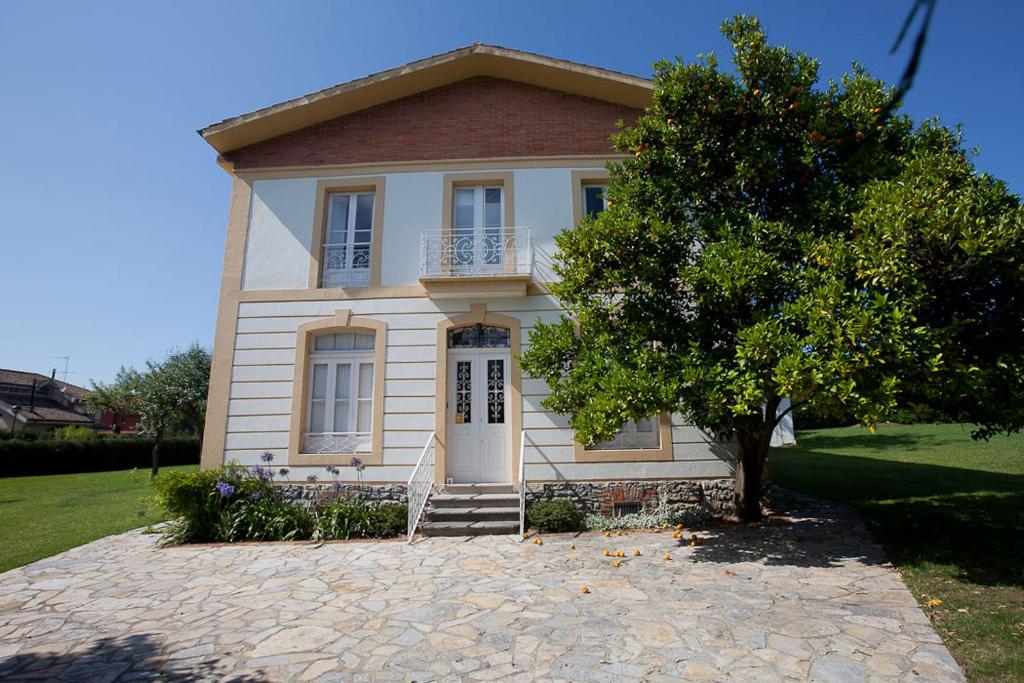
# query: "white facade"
{"type": "Point", "coordinates": [279, 237]}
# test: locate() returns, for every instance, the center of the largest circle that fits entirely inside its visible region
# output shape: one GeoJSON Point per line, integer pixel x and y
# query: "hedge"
{"type": "Point", "coordinates": [20, 458]}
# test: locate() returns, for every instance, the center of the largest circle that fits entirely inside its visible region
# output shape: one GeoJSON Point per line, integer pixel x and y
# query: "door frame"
{"type": "Point", "coordinates": [480, 356]}
{"type": "Point", "coordinates": [477, 314]}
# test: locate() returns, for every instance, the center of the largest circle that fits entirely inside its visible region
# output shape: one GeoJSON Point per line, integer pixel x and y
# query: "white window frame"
{"type": "Point", "coordinates": [629, 437]}
{"type": "Point", "coordinates": [480, 230]}
{"type": "Point", "coordinates": [335, 360]}
{"type": "Point", "coordinates": [347, 275]}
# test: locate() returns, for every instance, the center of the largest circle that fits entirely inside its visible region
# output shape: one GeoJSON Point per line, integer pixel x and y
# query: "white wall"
{"type": "Point", "coordinates": [260, 403]}
{"type": "Point", "coordinates": [280, 234]}
{"type": "Point", "coordinates": [281, 223]}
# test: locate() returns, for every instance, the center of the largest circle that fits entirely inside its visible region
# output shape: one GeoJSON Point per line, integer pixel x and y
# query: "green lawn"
{"type": "Point", "coordinates": [949, 512]}
{"type": "Point", "coordinates": [41, 516]}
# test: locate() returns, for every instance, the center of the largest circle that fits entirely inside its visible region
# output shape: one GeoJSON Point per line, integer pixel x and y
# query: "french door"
{"type": "Point", "coordinates": [348, 240]}
{"type": "Point", "coordinates": [478, 413]}
{"type": "Point", "coordinates": [477, 243]}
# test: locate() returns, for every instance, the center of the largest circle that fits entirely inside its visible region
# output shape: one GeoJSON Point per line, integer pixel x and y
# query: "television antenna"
{"type": "Point", "coordinates": [67, 362]}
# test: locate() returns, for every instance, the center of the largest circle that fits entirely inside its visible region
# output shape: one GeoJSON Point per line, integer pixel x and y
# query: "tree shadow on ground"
{"type": "Point", "coordinates": [127, 658]}
{"type": "Point", "coordinates": [804, 532]}
{"type": "Point", "coordinates": [882, 441]}
{"type": "Point", "coordinates": [970, 519]}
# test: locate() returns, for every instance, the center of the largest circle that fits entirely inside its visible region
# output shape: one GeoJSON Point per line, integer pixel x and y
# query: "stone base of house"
{"type": "Point", "coordinates": [711, 496]}
{"type": "Point", "coordinates": [315, 493]}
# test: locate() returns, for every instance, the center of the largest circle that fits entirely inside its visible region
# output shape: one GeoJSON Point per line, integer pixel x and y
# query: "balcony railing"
{"type": "Point", "coordinates": [476, 252]}
{"type": "Point", "coordinates": [336, 442]}
{"type": "Point", "coordinates": [346, 265]}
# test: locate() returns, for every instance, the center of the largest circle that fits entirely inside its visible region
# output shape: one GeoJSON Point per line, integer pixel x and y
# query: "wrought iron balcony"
{"type": "Point", "coordinates": [498, 252]}
{"type": "Point", "coordinates": [336, 442]}
{"type": "Point", "coordinates": [346, 265]}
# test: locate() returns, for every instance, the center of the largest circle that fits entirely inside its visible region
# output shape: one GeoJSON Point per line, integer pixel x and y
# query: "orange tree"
{"type": "Point", "coordinates": [769, 236]}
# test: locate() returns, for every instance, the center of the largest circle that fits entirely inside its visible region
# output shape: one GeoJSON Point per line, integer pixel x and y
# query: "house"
{"type": "Point", "coordinates": [32, 401]}
{"type": "Point", "coordinates": [389, 244]}
{"type": "Point", "coordinates": [40, 403]}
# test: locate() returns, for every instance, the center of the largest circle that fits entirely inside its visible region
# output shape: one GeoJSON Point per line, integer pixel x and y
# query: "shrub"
{"type": "Point", "coordinates": [236, 503]}
{"type": "Point", "coordinates": [388, 520]}
{"type": "Point", "coordinates": [649, 518]}
{"type": "Point", "coordinates": [353, 518]}
{"type": "Point", "coordinates": [21, 457]}
{"type": "Point", "coordinates": [550, 516]}
{"type": "Point", "coordinates": [73, 433]}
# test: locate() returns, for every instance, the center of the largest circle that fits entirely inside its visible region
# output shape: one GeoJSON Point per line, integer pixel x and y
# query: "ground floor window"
{"type": "Point", "coordinates": [340, 397]}
{"type": "Point", "coordinates": [633, 435]}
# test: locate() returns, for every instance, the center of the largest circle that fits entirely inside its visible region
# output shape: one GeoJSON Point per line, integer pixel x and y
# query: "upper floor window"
{"type": "Point", "coordinates": [593, 199]}
{"type": "Point", "coordinates": [477, 227]}
{"type": "Point", "coordinates": [348, 239]}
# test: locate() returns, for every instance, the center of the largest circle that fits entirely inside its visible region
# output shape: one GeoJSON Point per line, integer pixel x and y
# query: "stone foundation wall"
{"type": "Point", "coordinates": [374, 493]}
{"type": "Point", "coordinates": [715, 496]}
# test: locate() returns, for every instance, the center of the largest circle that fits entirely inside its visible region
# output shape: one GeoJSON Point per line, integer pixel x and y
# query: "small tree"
{"type": "Point", "coordinates": [767, 239]}
{"type": "Point", "coordinates": [120, 398]}
{"type": "Point", "coordinates": [188, 372]}
{"type": "Point", "coordinates": [174, 393]}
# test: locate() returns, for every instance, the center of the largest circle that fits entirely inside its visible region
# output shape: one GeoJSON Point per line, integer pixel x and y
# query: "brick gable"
{"type": "Point", "coordinates": [480, 117]}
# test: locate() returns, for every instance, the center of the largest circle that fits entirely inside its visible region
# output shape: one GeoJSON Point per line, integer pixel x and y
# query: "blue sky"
{"type": "Point", "coordinates": [112, 210]}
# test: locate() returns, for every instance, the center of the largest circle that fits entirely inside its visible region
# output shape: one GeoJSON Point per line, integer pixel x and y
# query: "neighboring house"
{"type": "Point", "coordinates": [40, 403]}
{"type": "Point", "coordinates": [388, 248]}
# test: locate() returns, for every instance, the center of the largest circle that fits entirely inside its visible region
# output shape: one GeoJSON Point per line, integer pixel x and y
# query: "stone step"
{"type": "Point", "coordinates": [478, 514]}
{"type": "Point", "coordinates": [473, 489]}
{"type": "Point", "coordinates": [469, 528]}
{"type": "Point", "coordinates": [478, 500]}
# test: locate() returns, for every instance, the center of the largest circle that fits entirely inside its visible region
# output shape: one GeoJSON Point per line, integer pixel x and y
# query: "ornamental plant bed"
{"type": "Point", "coordinates": [237, 504]}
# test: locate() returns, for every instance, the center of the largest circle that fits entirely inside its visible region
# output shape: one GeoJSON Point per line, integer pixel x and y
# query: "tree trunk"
{"type": "Point", "coordinates": [156, 453]}
{"type": "Point", "coordinates": [753, 457]}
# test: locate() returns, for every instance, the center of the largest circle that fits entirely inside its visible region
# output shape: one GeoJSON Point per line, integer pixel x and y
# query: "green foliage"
{"type": "Point", "coordinates": [553, 516]}
{"type": "Point", "coordinates": [19, 457]}
{"type": "Point", "coordinates": [656, 517]}
{"type": "Point", "coordinates": [236, 503]}
{"type": "Point", "coordinates": [354, 518]}
{"type": "Point", "coordinates": [120, 398]}
{"type": "Point", "coordinates": [175, 391]}
{"type": "Point", "coordinates": [73, 433]}
{"type": "Point", "coordinates": [771, 237]}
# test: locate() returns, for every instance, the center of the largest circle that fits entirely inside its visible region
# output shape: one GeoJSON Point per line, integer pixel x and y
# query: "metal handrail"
{"type": "Point", "coordinates": [522, 485]}
{"type": "Point", "coordinates": [421, 483]}
{"type": "Point", "coordinates": [474, 252]}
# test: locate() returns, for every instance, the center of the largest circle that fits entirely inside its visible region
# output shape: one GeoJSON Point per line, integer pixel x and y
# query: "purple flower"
{"type": "Point", "coordinates": [255, 496]}
{"type": "Point", "coordinates": [283, 472]}
{"type": "Point", "coordinates": [311, 478]}
{"type": "Point", "coordinates": [357, 463]}
{"type": "Point", "coordinates": [331, 469]}
{"type": "Point", "coordinates": [225, 489]}
{"type": "Point", "coordinates": [264, 473]}
{"type": "Point", "coordinates": [267, 456]}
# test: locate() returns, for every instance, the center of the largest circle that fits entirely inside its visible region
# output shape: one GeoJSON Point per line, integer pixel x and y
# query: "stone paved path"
{"type": "Point", "coordinates": [811, 600]}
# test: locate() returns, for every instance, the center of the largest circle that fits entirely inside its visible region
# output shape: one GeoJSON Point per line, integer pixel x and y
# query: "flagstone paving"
{"type": "Point", "coordinates": [810, 600]}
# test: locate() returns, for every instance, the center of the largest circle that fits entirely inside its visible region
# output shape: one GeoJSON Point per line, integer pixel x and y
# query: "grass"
{"type": "Point", "coordinates": [42, 516]}
{"type": "Point", "coordinates": [949, 512]}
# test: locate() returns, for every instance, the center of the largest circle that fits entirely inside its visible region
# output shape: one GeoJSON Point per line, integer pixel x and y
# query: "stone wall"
{"type": "Point", "coordinates": [715, 496]}
{"type": "Point", "coordinates": [389, 493]}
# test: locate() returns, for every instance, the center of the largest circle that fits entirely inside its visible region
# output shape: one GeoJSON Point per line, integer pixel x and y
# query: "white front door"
{"type": "Point", "coordinates": [478, 435]}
